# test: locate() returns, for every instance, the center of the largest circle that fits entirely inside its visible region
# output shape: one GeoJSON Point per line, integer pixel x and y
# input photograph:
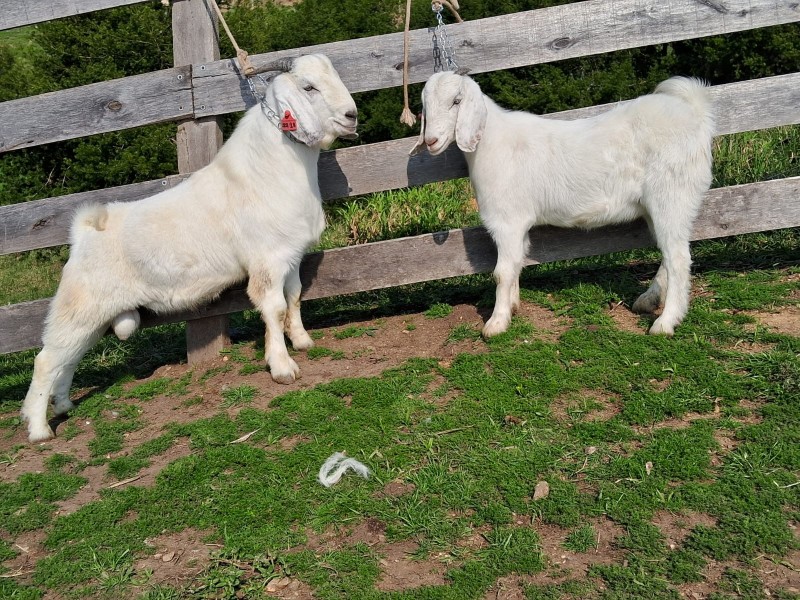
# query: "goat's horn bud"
{"type": "Point", "coordinates": [284, 65]}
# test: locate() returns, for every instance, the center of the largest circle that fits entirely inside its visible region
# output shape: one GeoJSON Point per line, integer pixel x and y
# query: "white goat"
{"type": "Point", "coordinates": [252, 212]}
{"type": "Point", "coordinates": [650, 158]}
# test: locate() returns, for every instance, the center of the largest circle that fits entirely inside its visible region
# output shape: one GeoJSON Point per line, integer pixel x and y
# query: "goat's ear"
{"type": "Point", "coordinates": [420, 145]}
{"type": "Point", "coordinates": [290, 97]}
{"type": "Point", "coordinates": [471, 118]}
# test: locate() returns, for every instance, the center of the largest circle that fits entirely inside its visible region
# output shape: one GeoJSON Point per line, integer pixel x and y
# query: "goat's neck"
{"type": "Point", "coordinates": [260, 148]}
{"type": "Point", "coordinates": [501, 124]}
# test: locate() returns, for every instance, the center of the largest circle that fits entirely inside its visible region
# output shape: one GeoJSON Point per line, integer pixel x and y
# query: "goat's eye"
{"type": "Point", "coordinates": [309, 88]}
{"type": "Point", "coordinates": [456, 101]}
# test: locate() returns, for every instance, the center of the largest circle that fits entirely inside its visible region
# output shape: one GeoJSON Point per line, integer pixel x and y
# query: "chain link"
{"type": "Point", "coordinates": [443, 55]}
{"type": "Point", "coordinates": [271, 115]}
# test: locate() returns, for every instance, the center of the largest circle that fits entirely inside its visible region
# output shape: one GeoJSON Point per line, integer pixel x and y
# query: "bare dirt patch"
{"type": "Point", "coordinates": [625, 319]}
{"type": "Point", "coordinates": [178, 557]}
{"type": "Point", "coordinates": [785, 320]}
{"type": "Point", "coordinates": [675, 527]}
{"type": "Point", "coordinates": [30, 548]}
{"type": "Point", "coordinates": [399, 569]}
{"type": "Point", "coordinates": [585, 405]}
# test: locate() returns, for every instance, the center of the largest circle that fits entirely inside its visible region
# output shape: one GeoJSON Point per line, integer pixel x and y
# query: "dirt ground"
{"type": "Point", "coordinates": [178, 557]}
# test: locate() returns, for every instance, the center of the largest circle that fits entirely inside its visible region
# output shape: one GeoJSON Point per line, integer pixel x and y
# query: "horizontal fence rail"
{"type": "Point", "coordinates": [509, 41]}
{"type": "Point", "coordinates": [97, 108]}
{"type": "Point", "coordinates": [744, 106]}
{"type": "Point", "coordinates": [515, 40]}
{"type": "Point", "coordinates": [727, 211]}
{"type": "Point", "coordinates": [17, 13]}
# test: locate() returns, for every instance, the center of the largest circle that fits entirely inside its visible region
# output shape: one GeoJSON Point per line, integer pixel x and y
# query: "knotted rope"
{"type": "Point", "coordinates": [407, 117]}
{"type": "Point", "coordinates": [244, 62]}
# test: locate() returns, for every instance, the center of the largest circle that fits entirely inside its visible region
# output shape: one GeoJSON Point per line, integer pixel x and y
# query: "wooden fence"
{"type": "Point", "coordinates": [201, 86]}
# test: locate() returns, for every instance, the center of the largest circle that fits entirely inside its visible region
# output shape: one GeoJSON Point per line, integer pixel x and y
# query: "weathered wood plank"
{"type": "Point", "coordinates": [97, 108]}
{"type": "Point", "coordinates": [508, 41]}
{"type": "Point", "coordinates": [17, 13]}
{"type": "Point", "coordinates": [45, 223]}
{"type": "Point", "coordinates": [745, 106]}
{"type": "Point", "coordinates": [532, 37]}
{"type": "Point", "coordinates": [195, 39]}
{"type": "Point", "coordinates": [728, 211]}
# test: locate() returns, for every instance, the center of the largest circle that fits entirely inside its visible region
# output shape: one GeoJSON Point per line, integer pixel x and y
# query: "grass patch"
{"type": "Point", "coordinates": [318, 352]}
{"type": "Point", "coordinates": [354, 331]}
{"type": "Point", "coordinates": [239, 395]}
{"type": "Point", "coordinates": [438, 311]}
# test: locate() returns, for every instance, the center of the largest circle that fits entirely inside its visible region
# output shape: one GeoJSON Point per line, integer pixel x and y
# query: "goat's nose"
{"type": "Point", "coordinates": [431, 141]}
{"type": "Point", "coordinates": [351, 114]}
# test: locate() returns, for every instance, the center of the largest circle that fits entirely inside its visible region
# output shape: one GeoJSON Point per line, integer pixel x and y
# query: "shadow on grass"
{"type": "Point", "coordinates": [622, 275]}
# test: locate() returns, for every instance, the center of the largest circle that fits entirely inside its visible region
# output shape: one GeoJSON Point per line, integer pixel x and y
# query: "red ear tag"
{"type": "Point", "coordinates": [288, 122]}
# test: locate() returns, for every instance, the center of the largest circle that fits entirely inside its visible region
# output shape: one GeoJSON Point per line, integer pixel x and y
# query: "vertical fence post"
{"type": "Point", "coordinates": [195, 39]}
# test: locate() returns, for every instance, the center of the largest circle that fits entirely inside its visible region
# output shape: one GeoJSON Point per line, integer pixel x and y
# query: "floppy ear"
{"type": "Point", "coordinates": [420, 145]}
{"type": "Point", "coordinates": [290, 97]}
{"type": "Point", "coordinates": [471, 116]}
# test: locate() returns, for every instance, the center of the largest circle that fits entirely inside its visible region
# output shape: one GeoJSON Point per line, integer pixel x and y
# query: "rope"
{"type": "Point", "coordinates": [407, 117]}
{"type": "Point", "coordinates": [241, 55]}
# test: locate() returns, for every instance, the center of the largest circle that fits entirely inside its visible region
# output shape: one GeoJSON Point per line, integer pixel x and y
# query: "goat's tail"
{"type": "Point", "coordinates": [90, 217]}
{"type": "Point", "coordinates": [691, 90]}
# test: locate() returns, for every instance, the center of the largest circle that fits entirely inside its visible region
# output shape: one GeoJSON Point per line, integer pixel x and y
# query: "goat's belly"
{"type": "Point", "coordinates": [596, 214]}
{"type": "Point", "coordinates": [188, 290]}
{"type": "Point", "coordinates": [189, 296]}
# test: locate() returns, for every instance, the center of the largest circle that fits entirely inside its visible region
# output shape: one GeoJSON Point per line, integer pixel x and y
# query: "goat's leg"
{"type": "Point", "coordinates": [511, 249]}
{"type": "Point", "coordinates": [53, 369]}
{"type": "Point", "coordinates": [294, 323]}
{"type": "Point", "coordinates": [656, 293]}
{"type": "Point", "coordinates": [676, 263]}
{"type": "Point", "coordinates": [265, 290]}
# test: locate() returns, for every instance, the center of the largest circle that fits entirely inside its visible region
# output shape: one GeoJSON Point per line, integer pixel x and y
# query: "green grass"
{"type": "Point", "coordinates": [469, 466]}
{"type": "Point", "coordinates": [239, 395]}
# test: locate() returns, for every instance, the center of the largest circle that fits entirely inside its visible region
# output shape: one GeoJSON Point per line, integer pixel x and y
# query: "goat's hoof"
{"type": "Point", "coordinates": [40, 434]}
{"type": "Point", "coordinates": [662, 328]}
{"type": "Point", "coordinates": [286, 374]}
{"type": "Point", "coordinates": [302, 342]}
{"type": "Point", "coordinates": [62, 407]}
{"type": "Point", "coordinates": [645, 304]}
{"type": "Point", "coordinates": [494, 327]}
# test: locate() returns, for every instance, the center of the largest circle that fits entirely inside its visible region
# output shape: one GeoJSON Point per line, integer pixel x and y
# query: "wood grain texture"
{"type": "Point", "coordinates": [728, 211]}
{"type": "Point", "coordinates": [16, 13]}
{"type": "Point", "coordinates": [97, 108]}
{"type": "Point", "coordinates": [194, 39]}
{"type": "Point", "coordinates": [508, 41]}
{"type": "Point", "coordinates": [744, 106]}
{"type": "Point", "coordinates": [45, 223]}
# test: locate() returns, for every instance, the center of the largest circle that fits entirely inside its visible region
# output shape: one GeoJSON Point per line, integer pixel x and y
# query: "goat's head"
{"type": "Point", "coordinates": [452, 109]}
{"type": "Point", "coordinates": [310, 88]}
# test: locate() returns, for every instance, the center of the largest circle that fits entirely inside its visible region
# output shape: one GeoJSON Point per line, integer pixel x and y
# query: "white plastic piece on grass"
{"type": "Point", "coordinates": [336, 465]}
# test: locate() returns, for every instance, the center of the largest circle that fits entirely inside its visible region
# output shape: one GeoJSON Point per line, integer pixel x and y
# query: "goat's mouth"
{"type": "Point", "coordinates": [437, 148]}
{"type": "Point", "coordinates": [347, 131]}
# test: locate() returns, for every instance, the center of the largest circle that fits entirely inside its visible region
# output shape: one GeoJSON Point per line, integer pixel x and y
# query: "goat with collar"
{"type": "Point", "coordinates": [251, 213]}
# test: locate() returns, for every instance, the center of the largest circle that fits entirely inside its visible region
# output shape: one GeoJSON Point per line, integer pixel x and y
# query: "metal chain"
{"type": "Point", "coordinates": [443, 55]}
{"type": "Point", "coordinates": [271, 115]}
